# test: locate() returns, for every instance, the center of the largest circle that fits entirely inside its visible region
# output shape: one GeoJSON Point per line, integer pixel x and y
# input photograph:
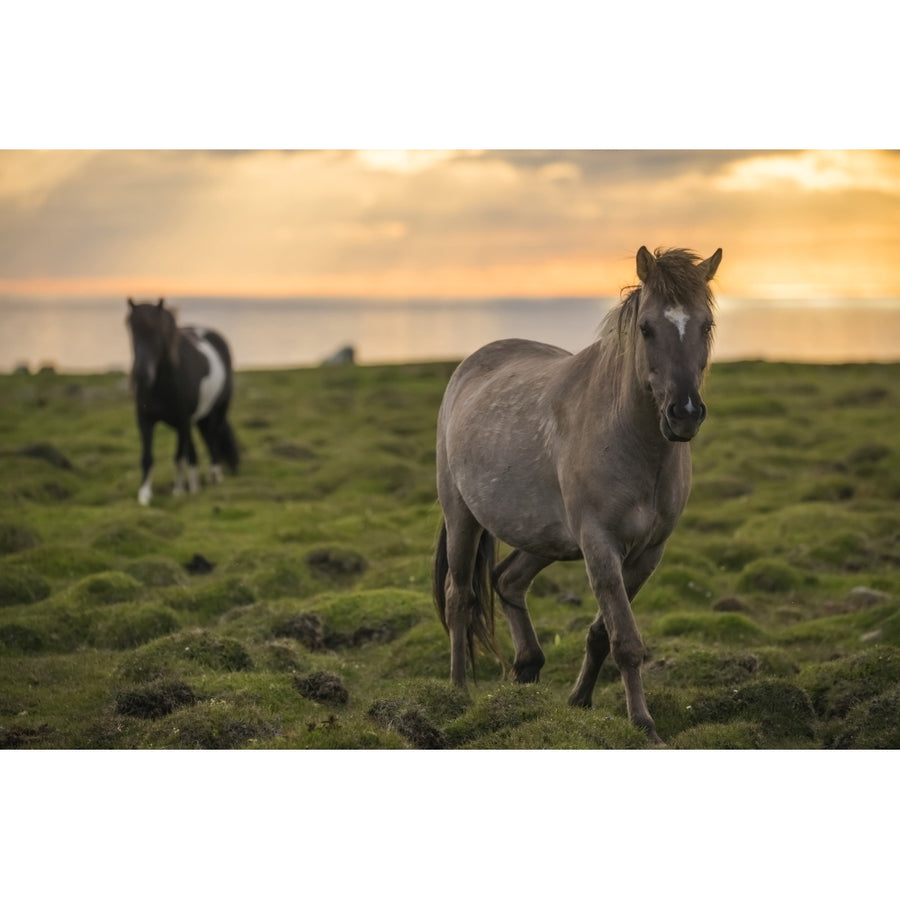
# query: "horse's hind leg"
{"type": "Point", "coordinates": [512, 579]}
{"type": "Point", "coordinates": [456, 572]}
{"type": "Point", "coordinates": [209, 430]}
{"type": "Point", "coordinates": [185, 463]}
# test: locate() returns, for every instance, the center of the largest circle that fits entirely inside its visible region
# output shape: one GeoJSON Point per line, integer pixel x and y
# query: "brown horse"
{"type": "Point", "coordinates": [568, 457]}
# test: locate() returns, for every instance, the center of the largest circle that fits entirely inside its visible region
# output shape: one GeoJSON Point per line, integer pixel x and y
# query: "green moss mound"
{"type": "Point", "coordinates": [20, 586]}
{"type": "Point", "coordinates": [105, 588]}
{"type": "Point", "coordinates": [769, 576]}
{"type": "Point", "coordinates": [726, 627]}
{"type": "Point", "coordinates": [184, 653]}
{"type": "Point", "coordinates": [835, 687]}
{"type": "Point", "coordinates": [156, 571]}
{"type": "Point", "coordinates": [213, 724]}
{"type": "Point", "coordinates": [132, 625]}
{"type": "Point", "coordinates": [781, 708]}
{"type": "Point", "coordinates": [873, 725]}
{"type": "Point", "coordinates": [723, 736]}
{"type": "Point", "coordinates": [15, 536]}
{"type": "Point", "coordinates": [506, 707]}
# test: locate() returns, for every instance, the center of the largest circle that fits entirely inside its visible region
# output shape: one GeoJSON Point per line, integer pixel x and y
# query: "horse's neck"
{"type": "Point", "coordinates": [611, 398]}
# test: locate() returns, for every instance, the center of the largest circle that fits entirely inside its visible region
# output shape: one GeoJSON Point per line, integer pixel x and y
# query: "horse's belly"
{"type": "Point", "coordinates": [521, 506]}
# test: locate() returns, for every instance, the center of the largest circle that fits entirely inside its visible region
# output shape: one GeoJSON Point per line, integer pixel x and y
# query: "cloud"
{"type": "Point", "coordinates": [437, 222]}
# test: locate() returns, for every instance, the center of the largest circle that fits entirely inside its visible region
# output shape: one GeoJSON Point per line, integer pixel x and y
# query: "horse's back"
{"type": "Point", "coordinates": [510, 351]}
{"type": "Point", "coordinates": [508, 360]}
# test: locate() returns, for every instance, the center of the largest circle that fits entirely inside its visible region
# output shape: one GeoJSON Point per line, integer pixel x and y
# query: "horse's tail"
{"type": "Point", "coordinates": [480, 625]}
{"type": "Point", "coordinates": [228, 447]}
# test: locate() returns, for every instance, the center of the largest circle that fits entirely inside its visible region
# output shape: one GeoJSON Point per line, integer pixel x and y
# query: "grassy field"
{"type": "Point", "coordinates": [773, 621]}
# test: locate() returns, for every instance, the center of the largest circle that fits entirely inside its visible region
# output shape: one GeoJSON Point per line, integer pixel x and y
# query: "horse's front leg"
{"type": "Point", "coordinates": [145, 492]}
{"type": "Point", "coordinates": [614, 629]}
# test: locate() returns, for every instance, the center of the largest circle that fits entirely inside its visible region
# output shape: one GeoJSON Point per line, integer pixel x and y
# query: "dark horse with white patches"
{"type": "Point", "coordinates": [180, 376]}
{"type": "Point", "coordinates": [567, 457]}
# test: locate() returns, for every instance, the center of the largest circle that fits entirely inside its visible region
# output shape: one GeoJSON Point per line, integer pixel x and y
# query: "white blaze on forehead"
{"type": "Point", "coordinates": [678, 317]}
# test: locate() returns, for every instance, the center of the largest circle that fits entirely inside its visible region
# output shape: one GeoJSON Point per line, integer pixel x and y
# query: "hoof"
{"type": "Point", "coordinates": [580, 702]}
{"type": "Point", "coordinates": [649, 728]}
{"type": "Point", "coordinates": [527, 674]}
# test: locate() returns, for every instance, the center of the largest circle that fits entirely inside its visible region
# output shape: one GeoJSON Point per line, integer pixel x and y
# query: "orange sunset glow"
{"type": "Point", "coordinates": [467, 224]}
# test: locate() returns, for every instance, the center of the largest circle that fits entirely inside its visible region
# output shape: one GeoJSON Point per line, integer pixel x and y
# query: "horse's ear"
{"type": "Point", "coordinates": [708, 266]}
{"type": "Point", "coordinates": [645, 264]}
{"type": "Point", "coordinates": [131, 302]}
{"type": "Point", "coordinates": [161, 301]}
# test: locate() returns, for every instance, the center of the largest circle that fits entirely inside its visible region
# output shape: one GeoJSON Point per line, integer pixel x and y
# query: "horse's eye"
{"type": "Point", "coordinates": [646, 330]}
{"type": "Point", "coordinates": [707, 328]}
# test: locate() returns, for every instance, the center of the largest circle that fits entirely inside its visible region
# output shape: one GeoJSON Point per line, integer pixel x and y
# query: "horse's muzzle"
{"type": "Point", "coordinates": [681, 422]}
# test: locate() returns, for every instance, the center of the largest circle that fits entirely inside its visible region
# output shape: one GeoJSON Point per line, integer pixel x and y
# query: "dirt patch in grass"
{"type": "Point", "coordinates": [307, 628]}
{"type": "Point", "coordinates": [336, 562]}
{"type": "Point", "coordinates": [322, 687]}
{"type": "Point", "coordinates": [154, 699]}
{"type": "Point", "coordinates": [410, 721]}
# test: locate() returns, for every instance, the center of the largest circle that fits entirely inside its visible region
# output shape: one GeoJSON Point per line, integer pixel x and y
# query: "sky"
{"type": "Point", "coordinates": [381, 223]}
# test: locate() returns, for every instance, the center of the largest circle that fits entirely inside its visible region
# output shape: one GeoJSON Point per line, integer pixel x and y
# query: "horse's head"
{"type": "Point", "coordinates": [153, 338]}
{"type": "Point", "coordinates": [674, 321]}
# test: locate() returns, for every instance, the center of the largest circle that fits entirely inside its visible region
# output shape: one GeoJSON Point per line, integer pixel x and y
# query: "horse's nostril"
{"type": "Point", "coordinates": [679, 412]}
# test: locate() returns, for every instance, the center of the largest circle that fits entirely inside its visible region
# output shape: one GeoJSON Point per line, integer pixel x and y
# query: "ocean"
{"type": "Point", "coordinates": [78, 335]}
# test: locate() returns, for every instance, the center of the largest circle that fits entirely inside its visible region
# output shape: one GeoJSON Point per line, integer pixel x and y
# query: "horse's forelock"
{"type": "Point", "coordinates": [676, 277]}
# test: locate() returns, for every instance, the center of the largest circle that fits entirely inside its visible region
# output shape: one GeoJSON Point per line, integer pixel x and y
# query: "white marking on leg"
{"type": "Point", "coordinates": [678, 317]}
{"type": "Point", "coordinates": [215, 474]}
{"type": "Point", "coordinates": [212, 384]}
{"type": "Point", "coordinates": [146, 491]}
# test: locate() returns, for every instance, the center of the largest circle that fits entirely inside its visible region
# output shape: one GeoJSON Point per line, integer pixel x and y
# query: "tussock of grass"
{"type": "Point", "coordinates": [104, 589]}
{"type": "Point", "coordinates": [505, 708]}
{"type": "Point", "coordinates": [154, 699]}
{"type": "Point", "coordinates": [727, 627]}
{"type": "Point", "coordinates": [835, 687]}
{"type": "Point", "coordinates": [873, 725]}
{"type": "Point", "coordinates": [156, 571]}
{"type": "Point", "coordinates": [16, 536]}
{"type": "Point", "coordinates": [781, 708]}
{"type": "Point", "coordinates": [21, 586]}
